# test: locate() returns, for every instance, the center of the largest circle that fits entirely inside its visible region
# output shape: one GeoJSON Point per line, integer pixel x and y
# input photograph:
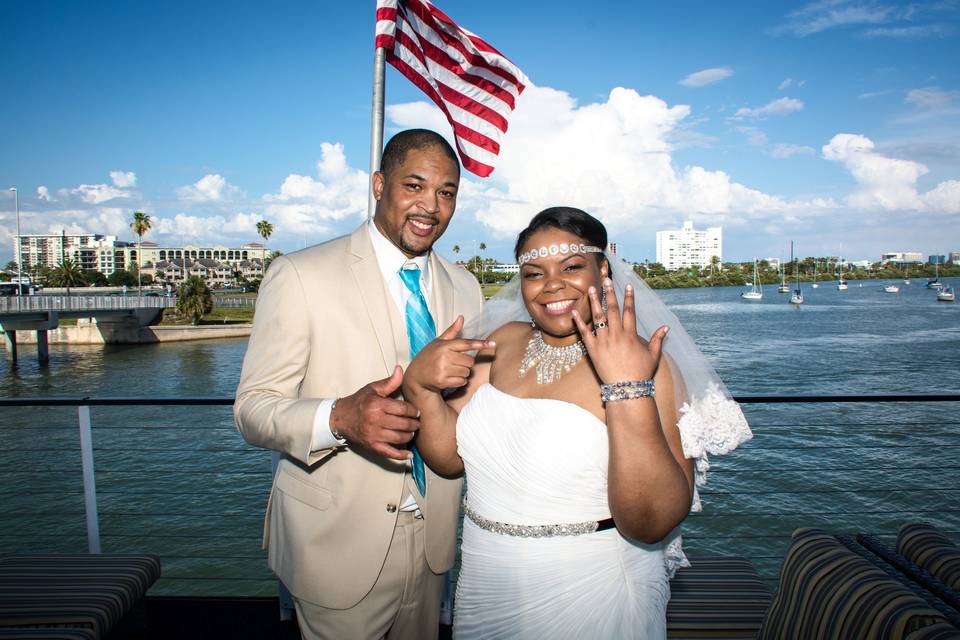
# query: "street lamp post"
{"type": "Point", "coordinates": [16, 199]}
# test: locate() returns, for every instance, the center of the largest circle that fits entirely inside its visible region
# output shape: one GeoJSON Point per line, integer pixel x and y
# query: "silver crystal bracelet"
{"type": "Point", "coordinates": [628, 390]}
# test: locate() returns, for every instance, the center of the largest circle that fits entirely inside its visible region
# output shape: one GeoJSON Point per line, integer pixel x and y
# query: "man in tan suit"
{"type": "Point", "coordinates": [361, 548]}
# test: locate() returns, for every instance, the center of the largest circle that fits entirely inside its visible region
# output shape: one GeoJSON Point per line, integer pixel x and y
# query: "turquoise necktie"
{"type": "Point", "coordinates": [420, 330]}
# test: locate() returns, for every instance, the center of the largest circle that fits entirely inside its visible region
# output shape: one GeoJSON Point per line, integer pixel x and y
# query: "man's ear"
{"type": "Point", "coordinates": [377, 179]}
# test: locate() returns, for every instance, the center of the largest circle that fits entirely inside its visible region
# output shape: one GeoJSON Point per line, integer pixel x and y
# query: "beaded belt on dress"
{"type": "Point", "coordinates": [537, 530]}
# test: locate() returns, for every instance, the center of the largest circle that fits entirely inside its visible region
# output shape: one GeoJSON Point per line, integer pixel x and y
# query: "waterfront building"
{"type": "Point", "coordinates": [107, 254]}
{"type": "Point", "coordinates": [688, 247]}
{"type": "Point", "coordinates": [954, 257]}
{"type": "Point", "coordinates": [902, 257]}
{"type": "Point", "coordinates": [773, 263]}
{"type": "Point", "coordinates": [504, 268]}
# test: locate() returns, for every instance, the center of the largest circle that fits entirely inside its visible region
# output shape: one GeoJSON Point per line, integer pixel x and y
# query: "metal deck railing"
{"type": "Point", "coordinates": [172, 476]}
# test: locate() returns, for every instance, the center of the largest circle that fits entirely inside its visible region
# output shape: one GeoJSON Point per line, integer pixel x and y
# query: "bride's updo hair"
{"type": "Point", "coordinates": [575, 221]}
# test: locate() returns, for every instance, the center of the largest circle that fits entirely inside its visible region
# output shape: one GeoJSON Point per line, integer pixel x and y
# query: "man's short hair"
{"type": "Point", "coordinates": [396, 150]}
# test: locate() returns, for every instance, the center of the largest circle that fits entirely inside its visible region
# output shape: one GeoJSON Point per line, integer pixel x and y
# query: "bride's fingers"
{"type": "Point", "coordinates": [586, 333]}
{"type": "Point", "coordinates": [613, 306]}
{"type": "Point", "coordinates": [629, 309]}
{"type": "Point", "coordinates": [596, 309]}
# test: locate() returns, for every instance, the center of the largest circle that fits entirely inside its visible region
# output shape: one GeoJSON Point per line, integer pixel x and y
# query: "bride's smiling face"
{"type": "Point", "coordinates": [555, 285]}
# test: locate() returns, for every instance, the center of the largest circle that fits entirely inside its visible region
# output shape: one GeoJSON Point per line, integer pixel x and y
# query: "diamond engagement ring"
{"type": "Point", "coordinates": [602, 324]}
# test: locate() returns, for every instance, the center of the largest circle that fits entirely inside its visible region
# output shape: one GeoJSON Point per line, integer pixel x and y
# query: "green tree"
{"type": "Point", "coordinates": [94, 278]}
{"type": "Point", "coordinates": [68, 274]}
{"type": "Point", "coordinates": [194, 299]}
{"type": "Point", "coordinates": [12, 265]}
{"type": "Point", "coordinates": [483, 247]}
{"type": "Point", "coordinates": [140, 225]}
{"type": "Point", "coordinates": [269, 259]}
{"type": "Point", "coordinates": [121, 278]}
{"type": "Point", "coordinates": [265, 229]}
{"type": "Point", "coordinates": [456, 249]}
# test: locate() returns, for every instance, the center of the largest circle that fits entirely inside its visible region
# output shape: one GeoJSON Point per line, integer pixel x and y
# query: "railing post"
{"type": "Point", "coordinates": [89, 481]}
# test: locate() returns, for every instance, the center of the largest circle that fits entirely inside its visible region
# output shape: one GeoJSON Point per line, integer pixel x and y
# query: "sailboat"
{"type": "Point", "coordinates": [815, 284]}
{"type": "Point", "coordinates": [797, 297]}
{"type": "Point", "coordinates": [783, 288]}
{"type": "Point", "coordinates": [906, 276]}
{"type": "Point", "coordinates": [946, 295]}
{"type": "Point", "coordinates": [756, 291]}
{"type": "Point", "coordinates": [935, 282]}
{"type": "Point", "coordinates": [842, 285]}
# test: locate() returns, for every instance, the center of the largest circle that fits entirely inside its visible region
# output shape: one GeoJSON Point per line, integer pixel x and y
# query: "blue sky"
{"type": "Point", "coordinates": [833, 123]}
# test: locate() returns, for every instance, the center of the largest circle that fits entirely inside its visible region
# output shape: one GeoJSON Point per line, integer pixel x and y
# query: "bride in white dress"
{"type": "Point", "coordinates": [582, 445]}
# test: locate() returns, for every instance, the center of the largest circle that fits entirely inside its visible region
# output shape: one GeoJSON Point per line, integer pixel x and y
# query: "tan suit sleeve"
{"type": "Point", "coordinates": [269, 411]}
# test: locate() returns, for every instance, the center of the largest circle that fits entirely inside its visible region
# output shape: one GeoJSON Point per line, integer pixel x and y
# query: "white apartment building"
{"type": "Point", "coordinates": [687, 247]}
{"type": "Point", "coordinates": [902, 257]}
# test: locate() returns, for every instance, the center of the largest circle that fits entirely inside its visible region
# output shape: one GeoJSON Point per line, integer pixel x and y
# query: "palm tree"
{"type": "Point", "coordinates": [68, 274]}
{"type": "Point", "coordinates": [456, 249]}
{"type": "Point", "coordinates": [483, 247]}
{"type": "Point", "coordinates": [714, 261]}
{"type": "Point", "coordinates": [194, 299]}
{"type": "Point", "coordinates": [265, 229]}
{"type": "Point", "coordinates": [140, 225]}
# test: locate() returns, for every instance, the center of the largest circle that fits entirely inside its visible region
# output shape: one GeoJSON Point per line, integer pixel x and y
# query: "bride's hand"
{"type": "Point", "coordinates": [617, 352]}
{"type": "Point", "coordinates": [444, 363]}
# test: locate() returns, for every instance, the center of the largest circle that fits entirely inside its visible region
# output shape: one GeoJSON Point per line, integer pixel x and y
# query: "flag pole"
{"type": "Point", "coordinates": [376, 124]}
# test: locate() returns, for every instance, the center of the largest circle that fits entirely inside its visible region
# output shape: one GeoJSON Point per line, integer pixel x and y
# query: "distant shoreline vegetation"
{"type": "Point", "coordinates": [731, 274]}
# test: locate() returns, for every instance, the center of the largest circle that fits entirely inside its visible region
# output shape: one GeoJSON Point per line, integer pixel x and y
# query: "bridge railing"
{"type": "Point", "coordinates": [13, 304]}
{"type": "Point", "coordinates": [172, 476]}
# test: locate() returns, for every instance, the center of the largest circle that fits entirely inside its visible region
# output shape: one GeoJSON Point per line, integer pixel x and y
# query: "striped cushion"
{"type": "Point", "coordinates": [717, 597]}
{"type": "Point", "coordinates": [89, 591]}
{"type": "Point", "coordinates": [941, 596]}
{"type": "Point", "coordinates": [828, 591]}
{"type": "Point", "coordinates": [47, 634]}
{"type": "Point", "coordinates": [931, 550]}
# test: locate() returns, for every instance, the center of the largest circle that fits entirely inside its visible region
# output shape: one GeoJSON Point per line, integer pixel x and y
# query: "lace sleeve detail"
{"type": "Point", "coordinates": [712, 424]}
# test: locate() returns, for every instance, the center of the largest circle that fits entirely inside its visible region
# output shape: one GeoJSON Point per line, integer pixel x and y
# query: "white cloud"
{"type": "Point", "coordinates": [707, 76]}
{"type": "Point", "coordinates": [755, 137]}
{"type": "Point", "coordinates": [123, 179]}
{"type": "Point", "coordinates": [888, 183]}
{"type": "Point", "coordinates": [786, 83]}
{"type": "Point", "coordinates": [932, 98]}
{"type": "Point", "coordinates": [914, 32]}
{"type": "Point", "coordinates": [822, 15]}
{"type": "Point", "coordinates": [778, 107]}
{"type": "Point", "coordinates": [43, 194]}
{"type": "Point", "coordinates": [97, 193]}
{"type": "Point", "coordinates": [305, 205]}
{"type": "Point", "coordinates": [612, 158]}
{"type": "Point", "coordinates": [783, 151]}
{"type": "Point", "coordinates": [945, 198]}
{"type": "Point", "coordinates": [210, 188]}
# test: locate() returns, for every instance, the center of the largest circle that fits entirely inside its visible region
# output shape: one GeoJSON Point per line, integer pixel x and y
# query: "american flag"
{"type": "Point", "coordinates": [472, 83]}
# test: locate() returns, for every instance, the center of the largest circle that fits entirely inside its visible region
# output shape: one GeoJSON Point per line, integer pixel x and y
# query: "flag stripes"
{"type": "Point", "coordinates": [472, 83]}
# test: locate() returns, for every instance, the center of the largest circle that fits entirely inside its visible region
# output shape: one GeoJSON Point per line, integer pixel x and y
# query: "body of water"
{"type": "Point", "coordinates": [180, 482]}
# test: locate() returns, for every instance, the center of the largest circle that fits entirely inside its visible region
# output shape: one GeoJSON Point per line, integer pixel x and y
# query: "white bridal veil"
{"type": "Point", "coordinates": [710, 423]}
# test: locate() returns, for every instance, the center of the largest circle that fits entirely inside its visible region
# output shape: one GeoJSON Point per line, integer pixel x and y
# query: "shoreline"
{"type": "Point", "coordinates": [89, 333]}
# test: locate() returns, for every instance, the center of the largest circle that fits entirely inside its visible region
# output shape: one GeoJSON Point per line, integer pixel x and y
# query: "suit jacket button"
{"type": "Point", "coordinates": [391, 508]}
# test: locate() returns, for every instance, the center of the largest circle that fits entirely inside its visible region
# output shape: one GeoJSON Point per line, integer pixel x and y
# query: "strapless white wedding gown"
{"type": "Point", "coordinates": [544, 462]}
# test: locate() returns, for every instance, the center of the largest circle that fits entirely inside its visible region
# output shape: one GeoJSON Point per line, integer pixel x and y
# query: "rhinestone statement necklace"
{"type": "Point", "coordinates": [550, 362]}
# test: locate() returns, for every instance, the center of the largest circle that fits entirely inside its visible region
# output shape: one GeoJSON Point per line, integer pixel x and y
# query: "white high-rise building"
{"type": "Point", "coordinates": [687, 247]}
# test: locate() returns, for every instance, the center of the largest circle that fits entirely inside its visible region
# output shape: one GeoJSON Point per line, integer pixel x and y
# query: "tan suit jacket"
{"type": "Point", "coordinates": [325, 326]}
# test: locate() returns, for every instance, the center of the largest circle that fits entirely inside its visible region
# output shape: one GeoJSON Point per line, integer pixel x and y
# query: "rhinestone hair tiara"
{"type": "Point", "coordinates": [557, 249]}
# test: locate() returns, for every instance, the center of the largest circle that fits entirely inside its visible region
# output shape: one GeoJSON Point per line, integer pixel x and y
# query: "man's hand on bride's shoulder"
{"type": "Point", "coordinates": [445, 363]}
{"type": "Point", "coordinates": [618, 354]}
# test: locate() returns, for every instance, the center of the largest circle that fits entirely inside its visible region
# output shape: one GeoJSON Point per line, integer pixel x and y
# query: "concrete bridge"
{"type": "Point", "coordinates": [43, 313]}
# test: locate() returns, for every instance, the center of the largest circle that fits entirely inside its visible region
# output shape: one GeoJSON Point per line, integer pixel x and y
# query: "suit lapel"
{"type": "Point", "coordinates": [444, 303]}
{"type": "Point", "coordinates": [369, 281]}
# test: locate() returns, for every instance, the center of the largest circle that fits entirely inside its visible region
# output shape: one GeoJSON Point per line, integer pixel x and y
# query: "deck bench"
{"type": "Point", "coordinates": [62, 594]}
{"type": "Point", "coordinates": [717, 597]}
